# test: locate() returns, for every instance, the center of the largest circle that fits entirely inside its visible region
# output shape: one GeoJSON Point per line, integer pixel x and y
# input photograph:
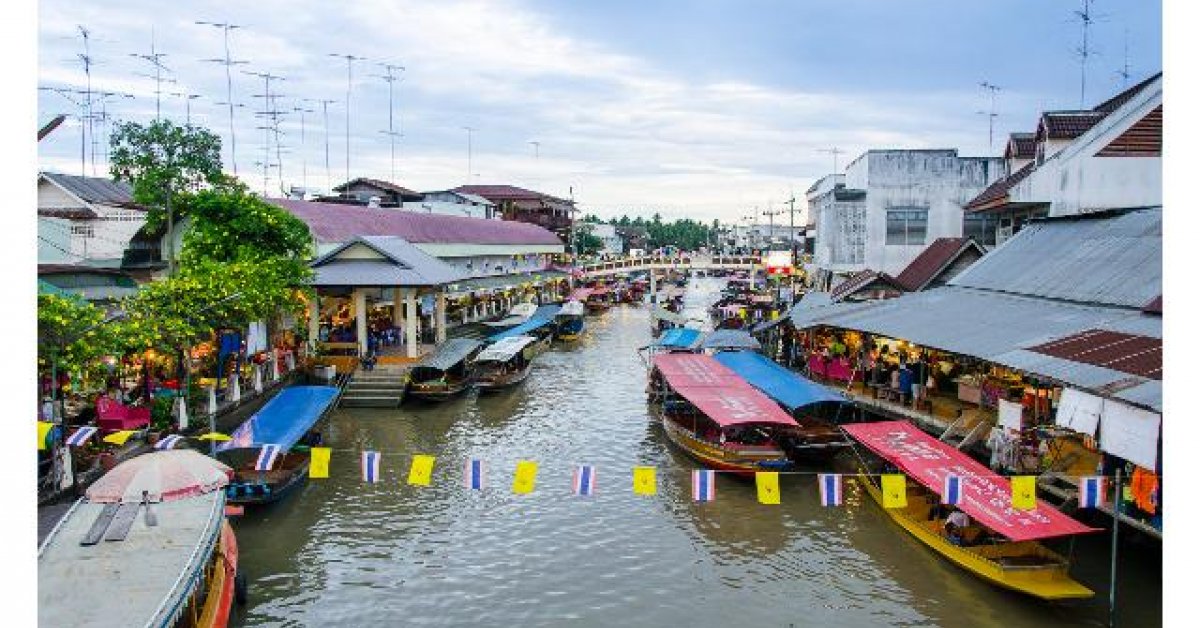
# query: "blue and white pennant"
{"type": "Point", "coordinates": [704, 485]}
{"type": "Point", "coordinates": [831, 488]}
{"type": "Point", "coordinates": [370, 466]}
{"type": "Point", "coordinates": [81, 436]}
{"type": "Point", "coordinates": [168, 442]}
{"type": "Point", "coordinates": [584, 481]}
{"type": "Point", "coordinates": [473, 475]}
{"type": "Point", "coordinates": [1091, 491]}
{"type": "Point", "coordinates": [952, 490]}
{"type": "Point", "coordinates": [266, 457]}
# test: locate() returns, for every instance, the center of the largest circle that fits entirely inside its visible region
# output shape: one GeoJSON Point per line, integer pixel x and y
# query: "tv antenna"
{"type": "Point", "coordinates": [470, 131]}
{"type": "Point", "coordinates": [102, 117]}
{"type": "Point", "coordinates": [992, 90]}
{"type": "Point", "coordinates": [1086, 17]}
{"type": "Point", "coordinates": [325, 117]}
{"type": "Point", "coordinates": [536, 147]}
{"type": "Point", "coordinates": [227, 62]}
{"type": "Point", "coordinates": [271, 113]}
{"type": "Point", "coordinates": [835, 151]}
{"type": "Point", "coordinates": [155, 61]}
{"type": "Point", "coordinates": [187, 101]}
{"type": "Point", "coordinates": [350, 59]}
{"type": "Point", "coordinates": [87, 60]}
{"type": "Point", "coordinates": [1124, 71]}
{"type": "Point", "coordinates": [391, 78]}
{"type": "Point", "coordinates": [74, 96]}
{"type": "Point", "coordinates": [303, 143]}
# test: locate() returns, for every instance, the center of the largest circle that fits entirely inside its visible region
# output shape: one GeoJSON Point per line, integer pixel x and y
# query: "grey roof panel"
{"type": "Point", "coordinates": [405, 265]}
{"type": "Point", "coordinates": [94, 189]}
{"type": "Point", "coordinates": [451, 352]}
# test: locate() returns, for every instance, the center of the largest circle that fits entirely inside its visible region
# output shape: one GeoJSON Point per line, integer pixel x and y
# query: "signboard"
{"type": "Point", "coordinates": [1130, 433]}
{"type": "Point", "coordinates": [778, 262]}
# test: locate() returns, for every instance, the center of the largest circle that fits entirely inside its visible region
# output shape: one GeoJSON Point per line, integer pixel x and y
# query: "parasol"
{"type": "Point", "coordinates": [163, 475]}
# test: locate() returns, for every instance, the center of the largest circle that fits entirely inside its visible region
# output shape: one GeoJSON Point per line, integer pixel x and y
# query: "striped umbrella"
{"type": "Point", "coordinates": [165, 475]}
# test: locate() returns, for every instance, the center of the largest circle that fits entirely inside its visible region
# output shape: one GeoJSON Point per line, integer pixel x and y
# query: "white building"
{"type": "Point", "coordinates": [85, 221]}
{"type": "Point", "coordinates": [451, 203]}
{"type": "Point", "coordinates": [613, 243]}
{"type": "Point", "coordinates": [767, 235]}
{"type": "Point", "coordinates": [840, 219]}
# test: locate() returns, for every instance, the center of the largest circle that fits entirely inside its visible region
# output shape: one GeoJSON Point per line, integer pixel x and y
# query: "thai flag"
{"type": "Point", "coordinates": [1091, 492]}
{"type": "Point", "coordinates": [266, 457]}
{"type": "Point", "coordinates": [952, 490]}
{"type": "Point", "coordinates": [473, 475]}
{"type": "Point", "coordinates": [169, 442]}
{"type": "Point", "coordinates": [704, 485]}
{"type": "Point", "coordinates": [81, 436]}
{"type": "Point", "coordinates": [585, 480]}
{"type": "Point", "coordinates": [370, 466]}
{"type": "Point", "coordinates": [831, 488]}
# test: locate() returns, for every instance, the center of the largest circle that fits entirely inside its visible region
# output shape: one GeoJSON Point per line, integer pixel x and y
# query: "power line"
{"type": "Point", "coordinates": [228, 62]}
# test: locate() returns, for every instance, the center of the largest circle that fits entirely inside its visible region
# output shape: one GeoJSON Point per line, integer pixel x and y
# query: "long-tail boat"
{"type": "Point", "coordinates": [445, 373]}
{"type": "Point", "coordinates": [285, 422]}
{"type": "Point", "coordinates": [1001, 544]}
{"type": "Point", "coordinates": [504, 364]}
{"type": "Point", "coordinates": [569, 321]}
{"type": "Point", "coordinates": [599, 300]}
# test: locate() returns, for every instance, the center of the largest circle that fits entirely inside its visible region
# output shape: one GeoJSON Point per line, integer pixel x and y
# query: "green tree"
{"type": "Point", "coordinates": [587, 242]}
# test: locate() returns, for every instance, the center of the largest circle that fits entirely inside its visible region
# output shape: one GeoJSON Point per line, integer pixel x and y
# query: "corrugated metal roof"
{"type": "Point", "coordinates": [730, 339]}
{"type": "Point", "coordinates": [1129, 353]}
{"type": "Point", "coordinates": [95, 189]}
{"type": "Point", "coordinates": [404, 265]}
{"type": "Point", "coordinates": [451, 352]}
{"type": "Point", "coordinates": [1098, 259]}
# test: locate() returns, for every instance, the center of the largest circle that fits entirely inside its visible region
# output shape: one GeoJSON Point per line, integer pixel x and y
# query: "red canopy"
{"type": "Point", "coordinates": [580, 294]}
{"type": "Point", "coordinates": [986, 497]}
{"type": "Point", "coordinates": [717, 391]}
{"type": "Point", "coordinates": [601, 290]}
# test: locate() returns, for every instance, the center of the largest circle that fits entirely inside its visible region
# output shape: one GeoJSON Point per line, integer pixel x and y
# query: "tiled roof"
{"type": "Point", "coordinates": [1154, 306]}
{"type": "Point", "coordinates": [497, 193]}
{"type": "Point", "coordinates": [377, 183]}
{"type": "Point", "coordinates": [932, 261]}
{"type": "Point", "coordinates": [331, 222]}
{"type": "Point", "coordinates": [860, 280]}
{"type": "Point", "coordinates": [1128, 353]}
{"type": "Point", "coordinates": [998, 190]}
{"type": "Point", "coordinates": [1112, 104]}
{"type": "Point", "coordinates": [1067, 125]}
{"type": "Point", "coordinates": [1143, 139]}
{"type": "Point", "coordinates": [95, 189]}
{"type": "Point", "coordinates": [1021, 146]}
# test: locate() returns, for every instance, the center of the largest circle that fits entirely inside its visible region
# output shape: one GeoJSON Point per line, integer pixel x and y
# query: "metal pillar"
{"type": "Point", "coordinates": [410, 322]}
{"type": "Point", "coordinates": [314, 320]}
{"type": "Point", "coordinates": [360, 318]}
{"type": "Point", "coordinates": [440, 318]}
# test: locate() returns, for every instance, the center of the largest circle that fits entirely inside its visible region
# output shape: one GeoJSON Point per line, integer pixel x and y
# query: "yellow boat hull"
{"type": "Point", "coordinates": [1047, 583]}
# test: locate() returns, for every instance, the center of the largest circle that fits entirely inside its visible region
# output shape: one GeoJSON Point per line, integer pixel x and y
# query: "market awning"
{"type": "Point", "coordinates": [678, 338]}
{"type": "Point", "coordinates": [730, 339]}
{"type": "Point", "coordinates": [986, 497]}
{"type": "Point", "coordinates": [284, 419]}
{"type": "Point", "coordinates": [504, 349]}
{"type": "Point", "coordinates": [571, 308]}
{"type": "Point", "coordinates": [789, 389]}
{"type": "Point", "coordinates": [546, 312]}
{"type": "Point", "coordinates": [519, 313]}
{"type": "Point", "coordinates": [450, 353]}
{"type": "Point", "coordinates": [718, 392]}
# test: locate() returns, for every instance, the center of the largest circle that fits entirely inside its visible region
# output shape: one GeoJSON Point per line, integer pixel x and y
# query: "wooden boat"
{"type": "Point", "coordinates": [716, 417]}
{"type": "Point", "coordinates": [599, 300]}
{"type": "Point", "coordinates": [569, 321]}
{"type": "Point", "coordinates": [285, 421]}
{"type": "Point", "coordinates": [445, 373]}
{"type": "Point", "coordinates": [816, 408]}
{"type": "Point", "coordinates": [104, 565]}
{"type": "Point", "coordinates": [504, 364]}
{"type": "Point", "coordinates": [1001, 546]}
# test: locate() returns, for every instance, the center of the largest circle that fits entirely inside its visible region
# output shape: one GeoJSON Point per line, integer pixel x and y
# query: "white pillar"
{"type": "Point", "coordinates": [314, 320]}
{"type": "Point", "coordinates": [236, 395]}
{"type": "Point", "coordinates": [360, 318]}
{"type": "Point", "coordinates": [258, 385]}
{"type": "Point", "coordinates": [439, 323]}
{"type": "Point", "coordinates": [410, 322]}
{"type": "Point", "coordinates": [397, 310]}
{"type": "Point", "coordinates": [212, 399]}
{"type": "Point", "coordinates": [183, 415]}
{"type": "Point", "coordinates": [653, 288]}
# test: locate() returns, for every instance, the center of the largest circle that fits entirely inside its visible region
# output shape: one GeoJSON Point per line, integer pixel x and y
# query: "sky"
{"type": "Point", "coordinates": [690, 108]}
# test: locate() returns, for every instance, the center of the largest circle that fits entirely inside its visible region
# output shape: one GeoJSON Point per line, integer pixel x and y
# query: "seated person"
{"type": "Point", "coordinates": [955, 525]}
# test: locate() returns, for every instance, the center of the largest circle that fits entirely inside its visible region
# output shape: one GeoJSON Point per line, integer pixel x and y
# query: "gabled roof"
{"type": "Point", "coordinates": [997, 193]}
{"type": "Point", "coordinates": [1114, 103]}
{"type": "Point", "coordinates": [95, 189]}
{"type": "Point", "coordinates": [330, 222]}
{"type": "Point", "coordinates": [377, 183]}
{"type": "Point", "coordinates": [1154, 306]}
{"type": "Point", "coordinates": [1143, 139]}
{"type": "Point", "coordinates": [1021, 146]}
{"type": "Point", "coordinates": [500, 193]}
{"type": "Point", "coordinates": [936, 257]}
{"type": "Point", "coordinates": [1067, 125]}
{"type": "Point", "coordinates": [860, 280]}
{"type": "Point", "coordinates": [403, 265]}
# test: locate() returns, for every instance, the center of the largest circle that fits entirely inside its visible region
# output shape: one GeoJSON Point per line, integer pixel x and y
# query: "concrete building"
{"type": "Point", "coordinates": [839, 218]}
{"type": "Point", "coordinates": [766, 236]}
{"type": "Point", "coordinates": [85, 221]}
{"type": "Point", "coordinates": [613, 243]}
{"type": "Point", "coordinates": [451, 203]}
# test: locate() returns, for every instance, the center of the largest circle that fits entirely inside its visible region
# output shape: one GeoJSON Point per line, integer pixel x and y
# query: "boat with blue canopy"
{"type": "Point", "coordinates": [569, 321]}
{"type": "Point", "coordinates": [283, 426]}
{"type": "Point", "coordinates": [816, 408]}
{"type": "Point", "coordinates": [540, 326]}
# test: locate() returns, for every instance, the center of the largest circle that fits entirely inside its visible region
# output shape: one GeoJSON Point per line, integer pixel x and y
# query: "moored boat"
{"type": "Point", "coordinates": [540, 326]}
{"type": "Point", "coordinates": [518, 314]}
{"type": "Point", "coordinates": [569, 321]}
{"type": "Point", "coordinates": [504, 364]}
{"type": "Point", "coordinates": [445, 373]}
{"type": "Point", "coordinates": [285, 422]}
{"type": "Point", "coordinates": [1001, 544]}
{"type": "Point", "coordinates": [599, 300]}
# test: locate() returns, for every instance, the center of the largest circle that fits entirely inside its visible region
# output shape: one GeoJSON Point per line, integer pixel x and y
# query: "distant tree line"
{"type": "Point", "coordinates": [684, 234]}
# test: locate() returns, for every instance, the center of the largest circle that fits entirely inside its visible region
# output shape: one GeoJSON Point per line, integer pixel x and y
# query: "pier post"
{"type": "Point", "coordinates": [397, 312]}
{"type": "Point", "coordinates": [314, 320]}
{"type": "Point", "coordinates": [1112, 575]}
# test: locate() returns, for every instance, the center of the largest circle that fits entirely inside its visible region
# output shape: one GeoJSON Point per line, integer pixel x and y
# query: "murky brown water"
{"type": "Point", "coordinates": [343, 553]}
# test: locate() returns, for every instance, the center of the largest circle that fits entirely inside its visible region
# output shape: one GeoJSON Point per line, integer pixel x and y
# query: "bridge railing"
{"type": "Point", "coordinates": [637, 263]}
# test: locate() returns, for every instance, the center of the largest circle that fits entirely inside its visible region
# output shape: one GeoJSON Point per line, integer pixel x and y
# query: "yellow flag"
{"type": "Point", "coordinates": [421, 470]}
{"type": "Point", "coordinates": [525, 476]}
{"type": "Point", "coordinates": [768, 487]}
{"type": "Point", "coordinates": [43, 431]}
{"type": "Point", "coordinates": [319, 467]}
{"type": "Point", "coordinates": [644, 482]}
{"type": "Point", "coordinates": [895, 491]}
{"type": "Point", "coordinates": [1024, 492]}
{"type": "Point", "coordinates": [118, 438]}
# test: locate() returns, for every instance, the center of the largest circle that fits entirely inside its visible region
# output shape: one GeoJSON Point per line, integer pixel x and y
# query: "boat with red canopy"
{"type": "Point", "coordinates": [1001, 544]}
{"type": "Point", "coordinates": [599, 299]}
{"type": "Point", "coordinates": [718, 418]}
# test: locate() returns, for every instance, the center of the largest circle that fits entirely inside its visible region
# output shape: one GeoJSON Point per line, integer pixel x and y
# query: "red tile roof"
{"type": "Point", "coordinates": [1128, 353]}
{"type": "Point", "coordinates": [936, 257]}
{"type": "Point", "coordinates": [1143, 139]}
{"type": "Point", "coordinates": [497, 193]}
{"type": "Point", "coordinates": [997, 192]}
{"type": "Point", "coordinates": [1067, 125]}
{"type": "Point", "coordinates": [1021, 146]}
{"type": "Point", "coordinates": [331, 222]}
{"type": "Point", "coordinates": [860, 280]}
{"type": "Point", "coordinates": [377, 183]}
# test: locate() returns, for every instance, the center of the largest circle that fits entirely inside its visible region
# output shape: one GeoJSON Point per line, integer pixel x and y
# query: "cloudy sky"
{"type": "Point", "coordinates": [686, 107]}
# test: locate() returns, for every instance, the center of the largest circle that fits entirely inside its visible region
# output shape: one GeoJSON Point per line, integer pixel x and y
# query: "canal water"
{"type": "Point", "coordinates": [340, 552]}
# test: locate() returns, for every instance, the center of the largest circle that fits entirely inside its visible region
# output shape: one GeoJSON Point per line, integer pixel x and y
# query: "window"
{"type": "Point", "coordinates": [906, 226]}
{"type": "Point", "coordinates": [83, 231]}
{"type": "Point", "coordinates": [981, 227]}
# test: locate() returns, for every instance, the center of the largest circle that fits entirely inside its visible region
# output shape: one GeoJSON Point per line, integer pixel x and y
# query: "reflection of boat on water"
{"type": "Point", "coordinates": [504, 364]}
{"type": "Point", "coordinates": [285, 421]}
{"type": "Point", "coordinates": [569, 321]}
{"type": "Point", "coordinates": [717, 417]}
{"type": "Point", "coordinates": [445, 373]}
{"type": "Point", "coordinates": [1001, 544]}
{"type": "Point", "coordinates": [166, 562]}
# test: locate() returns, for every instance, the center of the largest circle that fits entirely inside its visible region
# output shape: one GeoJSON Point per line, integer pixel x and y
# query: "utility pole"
{"type": "Point", "coordinates": [228, 62]}
{"type": "Point", "coordinates": [350, 59]}
{"type": "Point", "coordinates": [770, 214]}
{"type": "Point", "coordinates": [835, 151]}
{"type": "Point", "coordinates": [391, 131]}
{"type": "Point", "coordinates": [155, 60]}
{"type": "Point", "coordinates": [469, 131]}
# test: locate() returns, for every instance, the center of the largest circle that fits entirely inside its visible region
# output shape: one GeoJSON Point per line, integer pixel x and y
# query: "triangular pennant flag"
{"type": "Point", "coordinates": [524, 478]}
{"type": "Point", "coordinates": [952, 490]}
{"type": "Point", "coordinates": [768, 487]}
{"type": "Point", "coordinates": [831, 488]}
{"type": "Point", "coordinates": [704, 485]}
{"type": "Point", "coordinates": [644, 481]}
{"type": "Point", "coordinates": [118, 438]}
{"type": "Point", "coordinates": [370, 466]}
{"type": "Point", "coordinates": [584, 481]}
{"type": "Point", "coordinates": [1091, 491]}
{"type": "Point", "coordinates": [217, 436]}
{"type": "Point", "coordinates": [1024, 492]}
{"type": "Point", "coordinates": [43, 428]}
{"type": "Point", "coordinates": [319, 464]}
{"type": "Point", "coordinates": [168, 442]}
{"type": "Point", "coordinates": [895, 490]}
{"type": "Point", "coordinates": [473, 475]}
{"type": "Point", "coordinates": [421, 471]}
{"type": "Point", "coordinates": [266, 457]}
{"type": "Point", "coordinates": [81, 435]}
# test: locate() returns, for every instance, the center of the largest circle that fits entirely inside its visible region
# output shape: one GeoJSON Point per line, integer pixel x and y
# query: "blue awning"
{"type": "Point", "coordinates": [679, 338]}
{"type": "Point", "coordinates": [546, 312]}
{"type": "Point", "coordinates": [789, 389]}
{"type": "Point", "coordinates": [283, 419]}
{"type": "Point", "coordinates": [523, 329]}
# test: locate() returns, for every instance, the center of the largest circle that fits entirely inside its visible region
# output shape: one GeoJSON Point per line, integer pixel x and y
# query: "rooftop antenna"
{"type": "Point", "coordinates": [86, 58]}
{"type": "Point", "coordinates": [187, 100]}
{"type": "Point", "coordinates": [469, 130]}
{"type": "Point", "coordinates": [1086, 18]}
{"type": "Point", "coordinates": [271, 113]}
{"type": "Point", "coordinates": [103, 118]}
{"type": "Point", "coordinates": [536, 146]}
{"type": "Point", "coordinates": [1124, 71]}
{"type": "Point", "coordinates": [835, 151]}
{"type": "Point", "coordinates": [391, 78]}
{"type": "Point", "coordinates": [991, 112]}
{"type": "Point", "coordinates": [228, 62]}
{"type": "Point", "coordinates": [155, 60]}
{"type": "Point", "coordinates": [350, 59]}
{"type": "Point", "coordinates": [303, 144]}
{"type": "Point", "coordinates": [325, 115]}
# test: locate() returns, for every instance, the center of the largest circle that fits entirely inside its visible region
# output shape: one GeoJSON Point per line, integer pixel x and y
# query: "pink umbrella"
{"type": "Point", "coordinates": [162, 476]}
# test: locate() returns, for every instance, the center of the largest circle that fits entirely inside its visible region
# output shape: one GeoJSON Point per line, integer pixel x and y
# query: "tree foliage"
{"type": "Point", "coordinates": [586, 242]}
{"type": "Point", "coordinates": [684, 234]}
{"type": "Point", "coordinates": [70, 332]}
{"type": "Point", "coordinates": [162, 160]}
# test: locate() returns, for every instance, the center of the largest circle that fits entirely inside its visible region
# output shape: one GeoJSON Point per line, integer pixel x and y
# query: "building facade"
{"type": "Point", "coordinates": [85, 221]}
{"type": "Point", "coordinates": [521, 205]}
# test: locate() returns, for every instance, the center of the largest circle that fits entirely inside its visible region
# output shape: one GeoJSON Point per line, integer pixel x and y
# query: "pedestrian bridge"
{"type": "Point", "coordinates": [646, 263]}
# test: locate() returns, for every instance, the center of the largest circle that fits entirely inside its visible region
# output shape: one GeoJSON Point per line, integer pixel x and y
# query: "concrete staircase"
{"type": "Point", "coordinates": [382, 387]}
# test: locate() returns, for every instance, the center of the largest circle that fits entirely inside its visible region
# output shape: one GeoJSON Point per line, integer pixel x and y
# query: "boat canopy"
{"type": "Point", "coordinates": [986, 497]}
{"type": "Point", "coordinates": [730, 339]}
{"type": "Point", "coordinates": [528, 326]}
{"type": "Point", "coordinates": [504, 349]}
{"type": "Point", "coordinates": [451, 352]}
{"type": "Point", "coordinates": [284, 419]}
{"type": "Point", "coordinates": [789, 389]}
{"type": "Point", "coordinates": [679, 338]}
{"type": "Point", "coordinates": [519, 313]}
{"type": "Point", "coordinates": [600, 291]}
{"type": "Point", "coordinates": [546, 312]}
{"type": "Point", "coordinates": [580, 294]}
{"type": "Point", "coordinates": [663, 314]}
{"type": "Point", "coordinates": [571, 308]}
{"type": "Point", "coordinates": [717, 391]}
